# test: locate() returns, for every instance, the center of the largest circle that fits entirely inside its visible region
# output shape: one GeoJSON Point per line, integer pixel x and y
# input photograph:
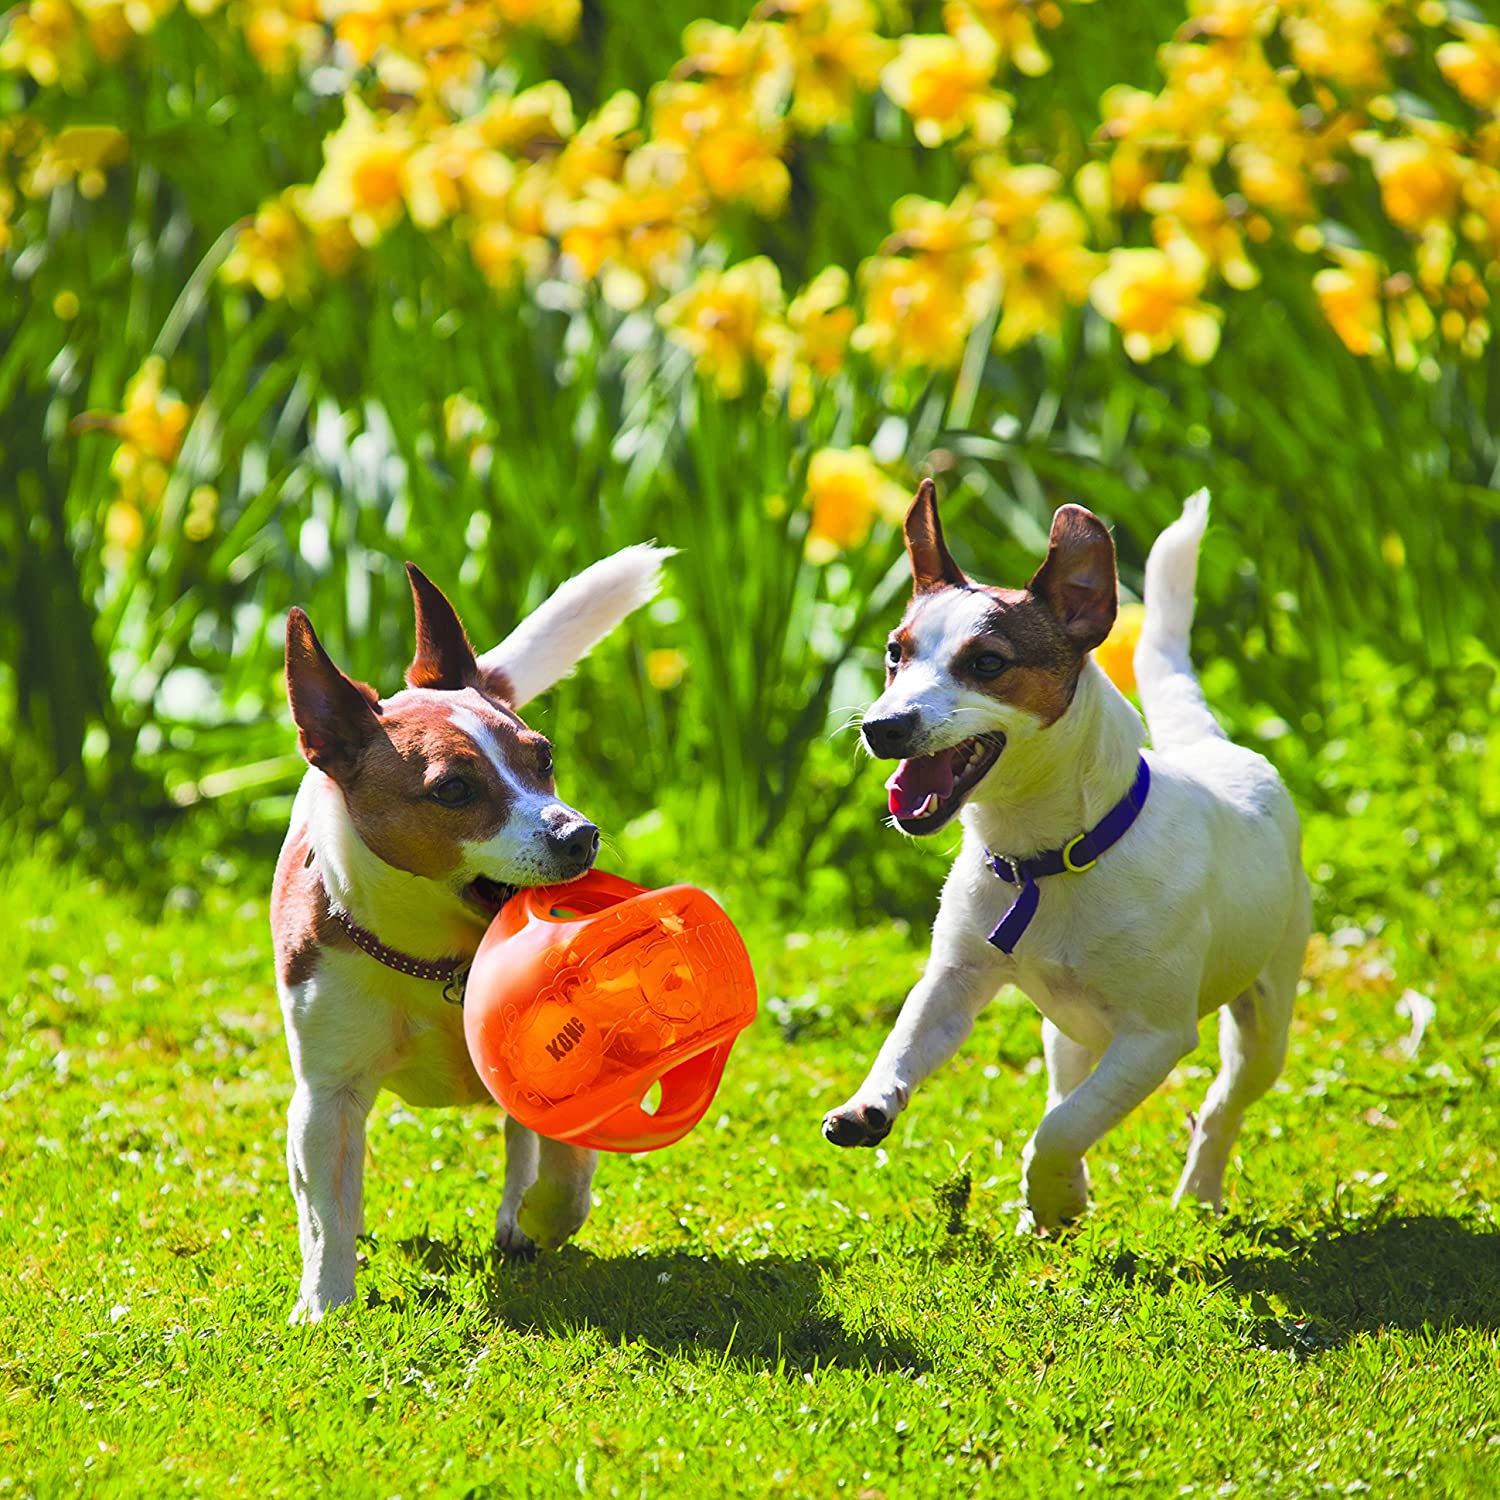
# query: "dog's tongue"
{"type": "Point", "coordinates": [917, 780]}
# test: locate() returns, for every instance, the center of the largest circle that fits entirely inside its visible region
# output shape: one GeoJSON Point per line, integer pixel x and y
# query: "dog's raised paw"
{"type": "Point", "coordinates": [856, 1125]}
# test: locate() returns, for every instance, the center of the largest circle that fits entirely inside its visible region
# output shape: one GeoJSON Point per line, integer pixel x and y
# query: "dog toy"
{"type": "Point", "coordinates": [582, 997]}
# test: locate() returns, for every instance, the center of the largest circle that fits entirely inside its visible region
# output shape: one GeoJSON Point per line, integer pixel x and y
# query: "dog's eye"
{"type": "Point", "coordinates": [452, 791]}
{"type": "Point", "coordinates": [544, 760]}
{"type": "Point", "coordinates": [989, 664]}
{"type": "Point", "coordinates": [893, 653]}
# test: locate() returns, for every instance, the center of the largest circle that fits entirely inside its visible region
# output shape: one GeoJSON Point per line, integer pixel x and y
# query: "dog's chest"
{"type": "Point", "coordinates": [1061, 994]}
{"type": "Point", "coordinates": [357, 1018]}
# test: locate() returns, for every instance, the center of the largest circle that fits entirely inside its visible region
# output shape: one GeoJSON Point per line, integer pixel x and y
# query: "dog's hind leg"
{"type": "Point", "coordinates": [520, 1173]}
{"type": "Point", "coordinates": [1252, 1047]}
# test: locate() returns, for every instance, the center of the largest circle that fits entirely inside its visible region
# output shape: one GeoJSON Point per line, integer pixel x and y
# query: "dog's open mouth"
{"type": "Point", "coordinates": [489, 895]}
{"type": "Point", "coordinates": [928, 789]}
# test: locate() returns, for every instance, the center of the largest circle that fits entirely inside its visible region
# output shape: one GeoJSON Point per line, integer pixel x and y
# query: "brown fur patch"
{"type": "Point", "coordinates": [1044, 663]}
{"type": "Point", "coordinates": [302, 924]}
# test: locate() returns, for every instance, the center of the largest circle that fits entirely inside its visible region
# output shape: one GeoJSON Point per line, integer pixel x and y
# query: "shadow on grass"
{"type": "Point", "coordinates": [1407, 1273]}
{"type": "Point", "coordinates": [766, 1313]}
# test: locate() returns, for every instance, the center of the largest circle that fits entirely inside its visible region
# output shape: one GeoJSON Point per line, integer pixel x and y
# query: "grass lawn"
{"type": "Point", "coordinates": [750, 1311]}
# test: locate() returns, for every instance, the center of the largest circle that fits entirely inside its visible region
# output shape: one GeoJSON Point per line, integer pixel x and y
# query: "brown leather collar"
{"type": "Point", "coordinates": [451, 973]}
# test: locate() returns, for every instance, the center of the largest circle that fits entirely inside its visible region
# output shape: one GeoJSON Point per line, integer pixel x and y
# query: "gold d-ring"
{"type": "Point", "coordinates": [1067, 856]}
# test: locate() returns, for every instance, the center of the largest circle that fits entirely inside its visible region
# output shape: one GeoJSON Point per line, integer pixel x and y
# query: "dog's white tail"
{"type": "Point", "coordinates": [1176, 711]}
{"type": "Point", "coordinates": [556, 636]}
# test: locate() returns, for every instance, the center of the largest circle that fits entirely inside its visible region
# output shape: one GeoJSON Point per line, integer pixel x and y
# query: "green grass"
{"type": "Point", "coordinates": [751, 1311]}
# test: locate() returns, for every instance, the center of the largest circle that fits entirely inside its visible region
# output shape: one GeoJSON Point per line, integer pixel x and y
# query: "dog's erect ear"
{"type": "Point", "coordinates": [1077, 581]}
{"type": "Point", "coordinates": [444, 657]}
{"type": "Point", "coordinates": [334, 714]}
{"type": "Point", "coordinates": [932, 567]}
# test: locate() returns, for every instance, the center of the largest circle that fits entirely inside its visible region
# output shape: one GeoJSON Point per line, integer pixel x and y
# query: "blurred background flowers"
{"type": "Point", "coordinates": [293, 289]}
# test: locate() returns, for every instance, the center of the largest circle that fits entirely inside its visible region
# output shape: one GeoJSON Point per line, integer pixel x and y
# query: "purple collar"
{"type": "Point", "coordinates": [1076, 856]}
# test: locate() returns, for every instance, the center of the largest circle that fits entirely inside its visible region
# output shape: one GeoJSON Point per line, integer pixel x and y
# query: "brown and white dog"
{"type": "Point", "coordinates": [1179, 888]}
{"type": "Point", "coordinates": [417, 812]}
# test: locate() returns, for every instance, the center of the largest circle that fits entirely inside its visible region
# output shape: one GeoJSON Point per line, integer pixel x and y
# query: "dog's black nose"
{"type": "Point", "coordinates": [576, 843]}
{"type": "Point", "coordinates": [890, 738]}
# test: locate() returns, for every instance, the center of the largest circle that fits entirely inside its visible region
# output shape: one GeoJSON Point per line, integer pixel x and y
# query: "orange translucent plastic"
{"type": "Point", "coordinates": [584, 996]}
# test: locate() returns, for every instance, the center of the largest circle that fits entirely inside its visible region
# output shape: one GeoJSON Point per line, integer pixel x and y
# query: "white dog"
{"type": "Point", "coordinates": [1197, 902]}
{"type": "Point", "coordinates": [419, 814]}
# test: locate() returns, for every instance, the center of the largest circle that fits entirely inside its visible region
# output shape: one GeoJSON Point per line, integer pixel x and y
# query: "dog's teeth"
{"type": "Point", "coordinates": [930, 805]}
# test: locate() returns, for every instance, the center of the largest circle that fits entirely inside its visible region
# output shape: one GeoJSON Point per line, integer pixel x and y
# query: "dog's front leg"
{"type": "Point", "coordinates": [935, 1018]}
{"type": "Point", "coordinates": [1133, 1065]}
{"type": "Point", "coordinates": [325, 1154]}
{"type": "Point", "coordinates": [557, 1203]}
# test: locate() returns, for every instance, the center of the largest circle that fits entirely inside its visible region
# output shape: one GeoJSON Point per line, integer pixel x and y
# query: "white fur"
{"type": "Point", "coordinates": [357, 1026]}
{"type": "Point", "coordinates": [554, 638]}
{"type": "Point", "coordinates": [1202, 906]}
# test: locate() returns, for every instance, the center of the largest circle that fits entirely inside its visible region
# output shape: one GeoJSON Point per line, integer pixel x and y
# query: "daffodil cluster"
{"type": "Point", "coordinates": [1267, 122]}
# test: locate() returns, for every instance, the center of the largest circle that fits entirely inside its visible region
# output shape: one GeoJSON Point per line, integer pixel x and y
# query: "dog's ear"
{"type": "Point", "coordinates": [932, 566]}
{"type": "Point", "coordinates": [335, 715]}
{"type": "Point", "coordinates": [1077, 582]}
{"type": "Point", "coordinates": [444, 657]}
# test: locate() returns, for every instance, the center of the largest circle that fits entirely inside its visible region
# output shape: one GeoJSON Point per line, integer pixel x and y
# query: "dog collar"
{"type": "Point", "coordinates": [1076, 856]}
{"type": "Point", "coordinates": [451, 973]}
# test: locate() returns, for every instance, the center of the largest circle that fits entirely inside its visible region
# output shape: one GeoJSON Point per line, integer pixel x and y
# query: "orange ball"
{"type": "Point", "coordinates": [559, 1051]}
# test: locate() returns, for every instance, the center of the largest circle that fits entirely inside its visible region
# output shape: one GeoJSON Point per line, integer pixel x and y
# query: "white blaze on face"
{"type": "Point", "coordinates": [518, 851]}
{"type": "Point", "coordinates": [950, 711]}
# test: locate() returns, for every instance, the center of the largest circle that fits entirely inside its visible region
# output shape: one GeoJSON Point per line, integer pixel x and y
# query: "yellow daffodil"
{"type": "Point", "coordinates": [730, 321]}
{"type": "Point", "coordinates": [745, 69]}
{"type": "Point", "coordinates": [555, 19]}
{"type": "Point", "coordinates": [537, 119]}
{"type": "Point", "coordinates": [836, 54]}
{"type": "Point", "coordinates": [1152, 297]}
{"type": "Point", "coordinates": [512, 243]}
{"type": "Point", "coordinates": [665, 668]}
{"type": "Point", "coordinates": [1044, 270]}
{"type": "Point", "coordinates": [1192, 206]}
{"type": "Point", "coordinates": [1117, 653]}
{"type": "Point", "coordinates": [633, 235]}
{"type": "Point", "coordinates": [282, 33]}
{"type": "Point", "coordinates": [942, 82]}
{"type": "Point", "coordinates": [821, 322]}
{"type": "Point", "coordinates": [1273, 177]}
{"type": "Point", "coordinates": [1344, 41]}
{"type": "Point", "coordinates": [1472, 65]}
{"type": "Point", "coordinates": [1233, 20]}
{"type": "Point", "coordinates": [1008, 195]}
{"type": "Point", "coordinates": [1349, 295]}
{"type": "Point", "coordinates": [600, 146]}
{"type": "Point", "coordinates": [1420, 176]}
{"type": "Point", "coordinates": [44, 39]}
{"type": "Point", "coordinates": [735, 152]}
{"type": "Point", "coordinates": [1374, 312]}
{"type": "Point", "coordinates": [846, 492]}
{"type": "Point", "coordinates": [915, 316]}
{"type": "Point", "coordinates": [1465, 317]}
{"type": "Point", "coordinates": [953, 242]}
{"type": "Point", "coordinates": [1010, 23]}
{"type": "Point", "coordinates": [270, 253]}
{"type": "Point", "coordinates": [456, 171]}
{"type": "Point", "coordinates": [153, 420]}
{"type": "Point", "coordinates": [82, 153]}
{"type": "Point", "coordinates": [363, 181]}
{"type": "Point", "coordinates": [150, 428]}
